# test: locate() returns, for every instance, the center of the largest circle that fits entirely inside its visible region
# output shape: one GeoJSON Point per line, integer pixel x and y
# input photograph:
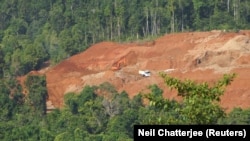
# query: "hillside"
{"type": "Point", "coordinates": [200, 56]}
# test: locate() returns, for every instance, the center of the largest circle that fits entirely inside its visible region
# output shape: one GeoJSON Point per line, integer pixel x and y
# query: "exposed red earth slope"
{"type": "Point", "coordinates": [200, 56]}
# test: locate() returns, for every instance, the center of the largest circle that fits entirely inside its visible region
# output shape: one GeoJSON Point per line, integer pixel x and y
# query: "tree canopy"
{"type": "Point", "coordinates": [33, 32]}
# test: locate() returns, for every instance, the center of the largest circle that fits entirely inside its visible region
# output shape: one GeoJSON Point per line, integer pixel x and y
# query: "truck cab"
{"type": "Point", "coordinates": [144, 73]}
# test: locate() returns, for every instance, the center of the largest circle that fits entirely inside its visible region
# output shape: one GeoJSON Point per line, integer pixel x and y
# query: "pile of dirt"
{"type": "Point", "coordinates": [200, 56]}
{"type": "Point", "coordinates": [222, 54]}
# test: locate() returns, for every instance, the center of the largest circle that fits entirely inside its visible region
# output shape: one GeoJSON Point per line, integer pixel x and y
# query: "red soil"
{"type": "Point", "coordinates": [200, 56]}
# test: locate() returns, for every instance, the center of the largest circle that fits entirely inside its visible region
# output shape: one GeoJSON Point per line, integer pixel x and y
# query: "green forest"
{"type": "Point", "coordinates": [33, 32]}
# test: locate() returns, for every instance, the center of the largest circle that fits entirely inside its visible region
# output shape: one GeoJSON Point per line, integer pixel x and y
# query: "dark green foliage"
{"type": "Point", "coordinates": [237, 116]}
{"type": "Point", "coordinates": [35, 31]}
{"type": "Point", "coordinates": [70, 100]}
{"type": "Point", "coordinates": [167, 111]}
{"type": "Point", "coordinates": [37, 90]}
{"type": "Point", "coordinates": [5, 103]}
{"type": "Point", "coordinates": [1, 62]}
{"type": "Point", "coordinates": [200, 101]}
{"type": "Point", "coordinates": [111, 115]}
{"type": "Point", "coordinates": [136, 101]}
{"type": "Point", "coordinates": [199, 105]}
{"type": "Point", "coordinates": [87, 94]}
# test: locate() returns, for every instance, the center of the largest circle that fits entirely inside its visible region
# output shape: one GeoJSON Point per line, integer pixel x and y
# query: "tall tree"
{"type": "Point", "coordinates": [37, 93]}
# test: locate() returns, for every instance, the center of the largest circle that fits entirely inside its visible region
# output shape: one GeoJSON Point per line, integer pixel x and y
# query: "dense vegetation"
{"type": "Point", "coordinates": [102, 113]}
{"type": "Point", "coordinates": [33, 32]}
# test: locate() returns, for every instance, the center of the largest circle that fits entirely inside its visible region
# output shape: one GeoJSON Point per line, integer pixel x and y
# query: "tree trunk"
{"type": "Point", "coordinates": [182, 26]}
{"type": "Point", "coordinates": [172, 22]}
{"type": "Point", "coordinates": [147, 23]}
{"type": "Point", "coordinates": [111, 29]}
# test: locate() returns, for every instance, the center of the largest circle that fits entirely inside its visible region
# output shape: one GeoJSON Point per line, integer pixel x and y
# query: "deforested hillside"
{"type": "Point", "coordinates": [201, 56]}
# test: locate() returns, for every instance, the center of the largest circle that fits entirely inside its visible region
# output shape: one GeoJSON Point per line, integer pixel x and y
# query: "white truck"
{"type": "Point", "coordinates": [144, 73]}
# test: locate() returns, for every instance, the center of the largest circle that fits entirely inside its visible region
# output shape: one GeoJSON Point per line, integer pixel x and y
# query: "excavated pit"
{"type": "Point", "coordinates": [200, 56]}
